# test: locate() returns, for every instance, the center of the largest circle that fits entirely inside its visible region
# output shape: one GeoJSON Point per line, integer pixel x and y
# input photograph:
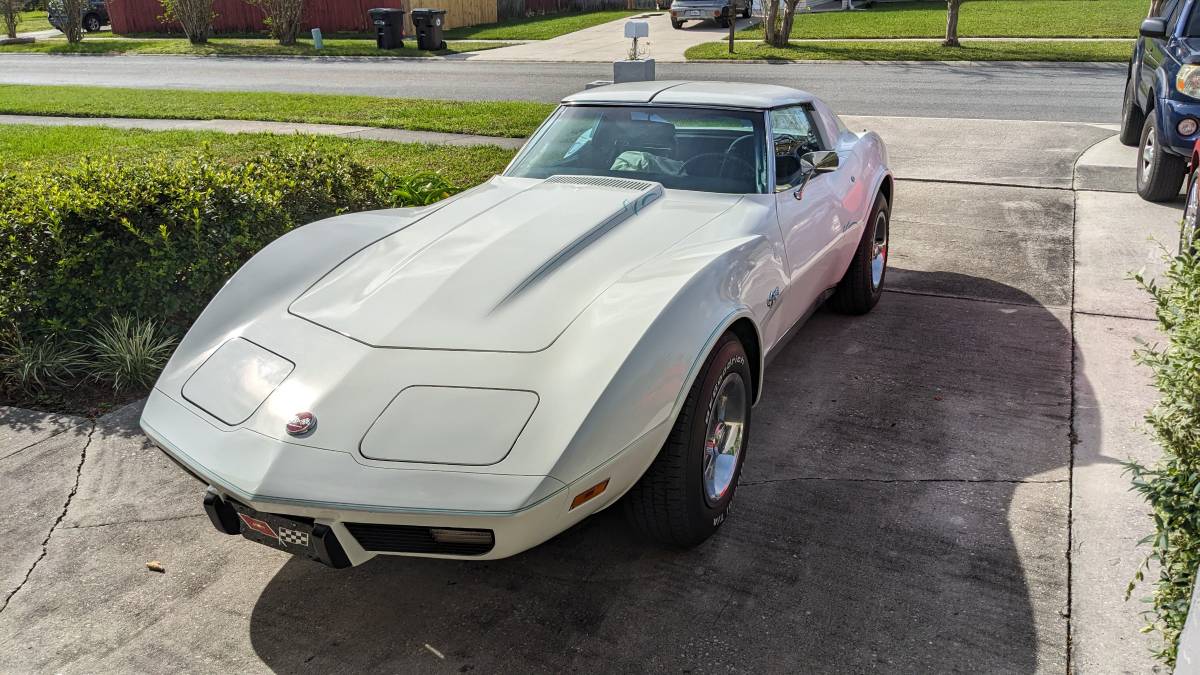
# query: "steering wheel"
{"type": "Point", "coordinates": [723, 161]}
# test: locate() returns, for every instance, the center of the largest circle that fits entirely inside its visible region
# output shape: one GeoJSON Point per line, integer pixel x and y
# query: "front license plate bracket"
{"type": "Point", "coordinates": [302, 538]}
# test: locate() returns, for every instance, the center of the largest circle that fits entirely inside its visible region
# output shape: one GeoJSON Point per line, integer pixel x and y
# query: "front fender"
{"type": "Point", "coordinates": [674, 312]}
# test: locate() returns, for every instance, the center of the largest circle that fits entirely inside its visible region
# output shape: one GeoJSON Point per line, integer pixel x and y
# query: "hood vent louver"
{"type": "Point", "coordinates": [603, 182]}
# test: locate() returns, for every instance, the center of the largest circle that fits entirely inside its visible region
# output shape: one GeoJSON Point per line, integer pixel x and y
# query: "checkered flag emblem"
{"type": "Point", "coordinates": [293, 537]}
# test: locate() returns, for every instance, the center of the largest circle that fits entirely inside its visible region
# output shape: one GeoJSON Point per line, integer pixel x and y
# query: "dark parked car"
{"type": "Point", "coordinates": [721, 11]}
{"type": "Point", "coordinates": [95, 15]}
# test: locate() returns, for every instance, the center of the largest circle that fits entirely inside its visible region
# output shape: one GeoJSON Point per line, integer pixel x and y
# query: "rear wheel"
{"type": "Point", "coordinates": [723, 21]}
{"type": "Point", "coordinates": [748, 11]}
{"type": "Point", "coordinates": [862, 284]}
{"type": "Point", "coordinates": [684, 495]}
{"type": "Point", "coordinates": [91, 23]}
{"type": "Point", "coordinates": [1191, 213]}
{"type": "Point", "coordinates": [1159, 172]}
{"type": "Point", "coordinates": [1132, 118]}
{"type": "Point", "coordinates": [677, 25]}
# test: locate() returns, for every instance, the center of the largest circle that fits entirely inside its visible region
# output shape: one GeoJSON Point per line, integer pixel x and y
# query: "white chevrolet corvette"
{"type": "Point", "coordinates": [470, 378]}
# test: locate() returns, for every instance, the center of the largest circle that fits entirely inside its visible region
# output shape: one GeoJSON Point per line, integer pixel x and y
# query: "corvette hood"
{"type": "Point", "coordinates": [503, 274]}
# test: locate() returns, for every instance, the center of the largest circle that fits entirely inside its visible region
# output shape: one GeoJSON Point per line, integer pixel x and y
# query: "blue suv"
{"type": "Point", "coordinates": [1161, 111]}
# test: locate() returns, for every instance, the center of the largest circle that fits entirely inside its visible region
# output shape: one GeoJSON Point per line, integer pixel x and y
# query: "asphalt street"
{"type": "Point", "coordinates": [1018, 91]}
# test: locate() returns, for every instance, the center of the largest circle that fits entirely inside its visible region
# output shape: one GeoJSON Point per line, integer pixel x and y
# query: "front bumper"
{"type": "Point", "coordinates": [1171, 113]}
{"type": "Point", "coordinates": [331, 490]}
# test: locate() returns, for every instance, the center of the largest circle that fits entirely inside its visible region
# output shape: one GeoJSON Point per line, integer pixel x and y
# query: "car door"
{"type": "Point", "coordinates": [807, 212]}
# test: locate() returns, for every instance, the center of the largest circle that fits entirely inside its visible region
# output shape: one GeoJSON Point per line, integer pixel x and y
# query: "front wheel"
{"type": "Point", "coordinates": [1159, 172]}
{"type": "Point", "coordinates": [1191, 213]}
{"type": "Point", "coordinates": [862, 284]}
{"type": "Point", "coordinates": [683, 497]}
{"type": "Point", "coordinates": [91, 23]}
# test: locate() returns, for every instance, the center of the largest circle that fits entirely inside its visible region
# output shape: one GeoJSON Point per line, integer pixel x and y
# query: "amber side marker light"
{"type": "Point", "coordinates": [588, 494]}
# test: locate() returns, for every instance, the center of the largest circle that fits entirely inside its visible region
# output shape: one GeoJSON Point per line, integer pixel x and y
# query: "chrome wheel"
{"type": "Point", "coordinates": [879, 246]}
{"type": "Point", "coordinates": [1148, 150]}
{"type": "Point", "coordinates": [1187, 232]}
{"type": "Point", "coordinates": [723, 444]}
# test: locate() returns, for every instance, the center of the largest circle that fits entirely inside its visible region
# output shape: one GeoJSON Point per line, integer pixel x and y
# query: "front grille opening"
{"type": "Point", "coordinates": [416, 539]}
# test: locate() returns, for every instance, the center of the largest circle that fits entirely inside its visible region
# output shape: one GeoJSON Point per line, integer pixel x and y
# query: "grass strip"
{"type": "Point", "coordinates": [918, 51]}
{"type": "Point", "coordinates": [977, 18]}
{"type": "Point", "coordinates": [30, 148]}
{"type": "Point", "coordinates": [514, 119]}
{"type": "Point", "coordinates": [240, 47]}
{"type": "Point", "coordinates": [538, 27]}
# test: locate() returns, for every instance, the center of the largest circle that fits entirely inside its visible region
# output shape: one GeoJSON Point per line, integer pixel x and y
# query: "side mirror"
{"type": "Point", "coordinates": [1154, 28]}
{"type": "Point", "coordinates": [821, 161]}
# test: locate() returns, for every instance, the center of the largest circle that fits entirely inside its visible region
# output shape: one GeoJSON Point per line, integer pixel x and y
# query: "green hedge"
{"type": "Point", "coordinates": [1172, 485]}
{"type": "Point", "coordinates": [83, 244]}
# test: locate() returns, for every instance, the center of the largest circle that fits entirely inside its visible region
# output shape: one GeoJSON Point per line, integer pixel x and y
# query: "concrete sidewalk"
{"type": "Point", "coordinates": [607, 42]}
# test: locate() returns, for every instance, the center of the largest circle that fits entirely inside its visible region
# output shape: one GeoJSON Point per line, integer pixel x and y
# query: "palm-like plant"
{"type": "Point", "coordinates": [129, 352]}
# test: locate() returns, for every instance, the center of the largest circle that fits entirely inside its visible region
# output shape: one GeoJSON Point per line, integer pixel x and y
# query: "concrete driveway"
{"type": "Point", "coordinates": [932, 487]}
{"type": "Point", "coordinates": [607, 42]}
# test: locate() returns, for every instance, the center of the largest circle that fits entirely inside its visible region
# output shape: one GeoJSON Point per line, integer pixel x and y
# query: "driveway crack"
{"type": "Point", "coordinates": [57, 521]}
{"type": "Point", "coordinates": [134, 522]}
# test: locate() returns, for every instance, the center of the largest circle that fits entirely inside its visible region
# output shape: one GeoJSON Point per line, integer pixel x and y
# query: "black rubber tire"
{"type": "Point", "coordinates": [748, 12]}
{"type": "Point", "coordinates": [668, 504]}
{"type": "Point", "coordinates": [91, 23]}
{"type": "Point", "coordinates": [1132, 117]}
{"type": "Point", "coordinates": [723, 21]}
{"type": "Point", "coordinates": [856, 294]}
{"type": "Point", "coordinates": [677, 25]}
{"type": "Point", "coordinates": [442, 47]}
{"type": "Point", "coordinates": [1189, 231]}
{"type": "Point", "coordinates": [1166, 171]}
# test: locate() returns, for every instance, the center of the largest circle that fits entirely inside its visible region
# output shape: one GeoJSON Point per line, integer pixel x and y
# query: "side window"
{"type": "Point", "coordinates": [793, 133]}
{"type": "Point", "coordinates": [1168, 9]}
{"type": "Point", "coordinates": [1173, 17]}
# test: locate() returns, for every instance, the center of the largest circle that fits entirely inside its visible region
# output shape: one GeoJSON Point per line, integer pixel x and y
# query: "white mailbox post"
{"type": "Point", "coordinates": [634, 68]}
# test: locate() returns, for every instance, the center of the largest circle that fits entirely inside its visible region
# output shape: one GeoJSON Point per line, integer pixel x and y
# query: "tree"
{"type": "Point", "coordinates": [195, 16]}
{"type": "Point", "coordinates": [952, 24]}
{"type": "Point", "coordinates": [778, 29]}
{"type": "Point", "coordinates": [11, 9]}
{"type": "Point", "coordinates": [72, 13]}
{"type": "Point", "coordinates": [283, 18]}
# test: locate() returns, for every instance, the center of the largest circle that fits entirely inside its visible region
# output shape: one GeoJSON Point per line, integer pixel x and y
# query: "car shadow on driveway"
{"type": "Point", "coordinates": [903, 507]}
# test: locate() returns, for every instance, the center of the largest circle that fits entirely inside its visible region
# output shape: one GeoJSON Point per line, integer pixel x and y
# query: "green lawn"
{"type": "Point", "coordinates": [977, 18]}
{"type": "Point", "coordinates": [28, 147]}
{"type": "Point", "coordinates": [31, 21]}
{"type": "Point", "coordinates": [919, 51]}
{"type": "Point", "coordinates": [239, 47]}
{"type": "Point", "coordinates": [514, 119]}
{"type": "Point", "coordinates": [538, 27]}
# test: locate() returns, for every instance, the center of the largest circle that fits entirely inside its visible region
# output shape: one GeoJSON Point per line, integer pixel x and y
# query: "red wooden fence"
{"type": "Point", "coordinates": [235, 16]}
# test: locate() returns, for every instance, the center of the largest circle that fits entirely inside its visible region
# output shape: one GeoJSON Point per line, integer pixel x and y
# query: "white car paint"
{"type": "Point", "coordinates": [553, 326]}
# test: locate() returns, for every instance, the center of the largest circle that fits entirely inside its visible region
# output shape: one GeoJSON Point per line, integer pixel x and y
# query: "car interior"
{"type": "Point", "coordinates": [684, 148]}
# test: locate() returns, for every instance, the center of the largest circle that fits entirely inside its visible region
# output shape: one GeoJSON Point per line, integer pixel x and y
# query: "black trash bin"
{"type": "Point", "coordinates": [389, 27]}
{"type": "Point", "coordinates": [428, 24]}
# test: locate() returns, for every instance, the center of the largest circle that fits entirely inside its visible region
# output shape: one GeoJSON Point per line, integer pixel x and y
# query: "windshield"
{"type": "Point", "coordinates": [682, 148]}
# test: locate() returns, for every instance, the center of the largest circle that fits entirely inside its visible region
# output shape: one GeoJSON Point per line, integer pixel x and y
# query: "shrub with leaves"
{"type": "Point", "coordinates": [416, 190]}
{"type": "Point", "coordinates": [282, 18]}
{"type": "Point", "coordinates": [33, 364]}
{"type": "Point", "coordinates": [1172, 485]}
{"type": "Point", "coordinates": [194, 16]}
{"type": "Point", "coordinates": [83, 244]}
{"type": "Point", "coordinates": [129, 352]}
